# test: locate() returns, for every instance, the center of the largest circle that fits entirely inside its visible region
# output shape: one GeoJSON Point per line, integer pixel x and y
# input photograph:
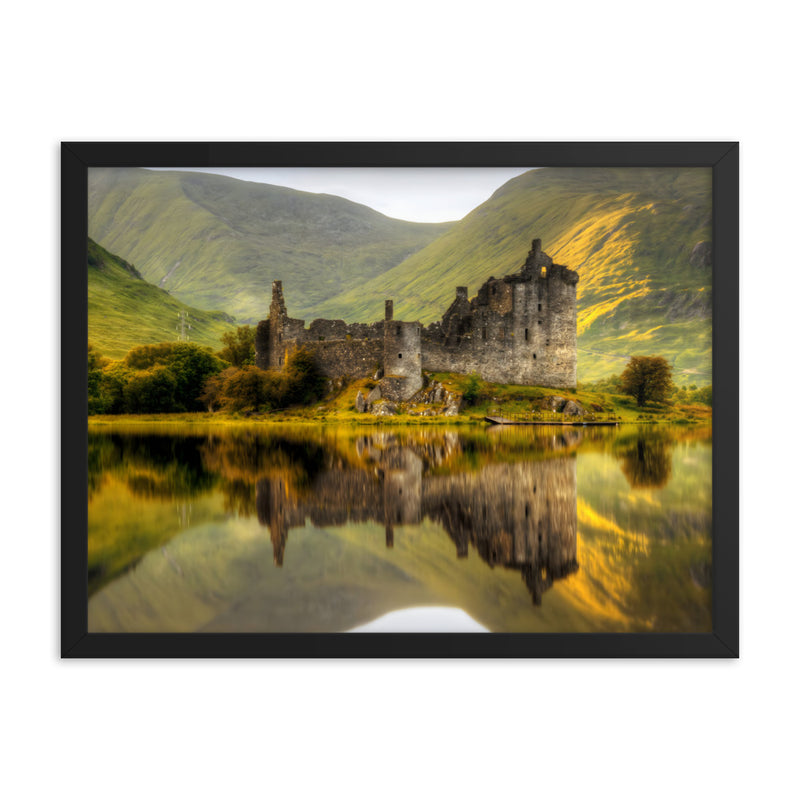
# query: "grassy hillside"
{"type": "Point", "coordinates": [218, 243]}
{"type": "Point", "coordinates": [125, 310]}
{"type": "Point", "coordinates": [630, 234]}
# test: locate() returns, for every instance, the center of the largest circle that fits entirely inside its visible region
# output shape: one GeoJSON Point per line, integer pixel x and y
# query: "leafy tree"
{"type": "Point", "coordinates": [240, 346]}
{"type": "Point", "coordinates": [148, 355]}
{"type": "Point", "coordinates": [304, 382]}
{"type": "Point", "coordinates": [250, 389]}
{"type": "Point", "coordinates": [247, 389]}
{"type": "Point", "coordinates": [97, 403]}
{"type": "Point", "coordinates": [213, 395]}
{"type": "Point", "coordinates": [150, 391]}
{"type": "Point", "coordinates": [647, 378]}
{"type": "Point", "coordinates": [112, 387]}
{"type": "Point", "coordinates": [189, 364]}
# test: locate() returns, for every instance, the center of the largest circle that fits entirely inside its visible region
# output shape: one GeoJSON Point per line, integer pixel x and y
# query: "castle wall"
{"type": "Point", "coordinates": [520, 329]}
{"type": "Point", "coordinates": [358, 358]}
{"type": "Point", "coordinates": [402, 357]}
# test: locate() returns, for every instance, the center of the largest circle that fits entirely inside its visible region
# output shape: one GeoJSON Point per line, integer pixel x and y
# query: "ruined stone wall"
{"type": "Point", "coordinates": [518, 329]}
{"type": "Point", "coordinates": [355, 350]}
{"type": "Point", "coordinates": [402, 359]}
{"type": "Point", "coordinates": [357, 358]}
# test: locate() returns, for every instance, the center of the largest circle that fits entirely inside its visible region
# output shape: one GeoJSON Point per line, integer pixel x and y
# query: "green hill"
{"type": "Point", "coordinates": [217, 242]}
{"type": "Point", "coordinates": [125, 310]}
{"type": "Point", "coordinates": [630, 233]}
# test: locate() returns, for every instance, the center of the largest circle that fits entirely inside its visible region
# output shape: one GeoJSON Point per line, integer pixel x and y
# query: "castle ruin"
{"type": "Point", "coordinates": [519, 329]}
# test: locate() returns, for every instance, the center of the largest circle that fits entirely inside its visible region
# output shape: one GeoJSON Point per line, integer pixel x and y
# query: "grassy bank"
{"type": "Point", "coordinates": [491, 399]}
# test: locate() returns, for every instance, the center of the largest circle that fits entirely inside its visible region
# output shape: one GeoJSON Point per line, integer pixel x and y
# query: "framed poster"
{"type": "Point", "coordinates": [400, 399]}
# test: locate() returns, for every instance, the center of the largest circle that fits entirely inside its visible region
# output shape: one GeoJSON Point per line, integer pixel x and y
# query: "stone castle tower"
{"type": "Point", "coordinates": [519, 329]}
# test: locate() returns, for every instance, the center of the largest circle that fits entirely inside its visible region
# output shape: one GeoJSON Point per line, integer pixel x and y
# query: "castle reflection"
{"type": "Point", "coordinates": [518, 515]}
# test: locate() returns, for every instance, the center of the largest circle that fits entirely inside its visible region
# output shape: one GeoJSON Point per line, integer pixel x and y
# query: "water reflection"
{"type": "Point", "coordinates": [520, 516]}
{"type": "Point", "coordinates": [269, 527]}
{"type": "Point", "coordinates": [646, 458]}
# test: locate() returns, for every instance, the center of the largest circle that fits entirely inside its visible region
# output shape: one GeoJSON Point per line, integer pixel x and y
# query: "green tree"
{"type": "Point", "coordinates": [240, 346]}
{"type": "Point", "coordinates": [189, 364]}
{"type": "Point", "coordinates": [150, 391]}
{"type": "Point", "coordinates": [97, 402]}
{"type": "Point", "coordinates": [304, 382]}
{"type": "Point", "coordinates": [246, 389]}
{"type": "Point", "coordinates": [647, 378]}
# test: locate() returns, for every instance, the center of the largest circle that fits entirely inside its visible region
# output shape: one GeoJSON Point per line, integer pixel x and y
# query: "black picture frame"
{"type": "Point", "coordinates": [721, 157]}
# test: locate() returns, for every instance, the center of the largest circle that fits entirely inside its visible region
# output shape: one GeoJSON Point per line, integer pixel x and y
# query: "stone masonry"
{"type": "Point", "coordinates": [519, 329]}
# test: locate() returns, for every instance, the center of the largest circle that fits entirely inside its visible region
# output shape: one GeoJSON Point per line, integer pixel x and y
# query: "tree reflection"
{"type": "Point", "coordinates": [646, 461]}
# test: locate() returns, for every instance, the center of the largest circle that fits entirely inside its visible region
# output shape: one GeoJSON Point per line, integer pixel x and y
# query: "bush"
{"type": "Point", "coordinates": [304, 382]}
{"type": "Point", "coordinates": [150, 391]}
{"type": "Point", "coordinates": [471, 390]}
{"type": "Point", "coordinates": [190, 365]}
{"type": "Point", "coordinates": [250, 389]}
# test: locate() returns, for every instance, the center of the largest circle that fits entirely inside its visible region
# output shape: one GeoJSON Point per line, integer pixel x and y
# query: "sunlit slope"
{"type": "Point", "coordinates": [217, 242]}
{"type": "Point", "coordinates": [125, 310]}
{"type": "Point", "coordinates": [629, 233]}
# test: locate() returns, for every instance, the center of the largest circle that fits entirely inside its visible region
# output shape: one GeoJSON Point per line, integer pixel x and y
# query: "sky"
{"type": "Point", "coordinates": [417, 194]}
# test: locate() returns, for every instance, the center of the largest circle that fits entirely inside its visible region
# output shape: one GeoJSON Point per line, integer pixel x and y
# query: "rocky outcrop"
{"type": "Point", "coordinates": [573, 409]}
{"type": "Point", "coordinates": [434, 400]}
{"type": "Point", "coordinates": [361, 402]}
{"type": "Point", "coordinates": [553, 402]}
{"type": "Point", "coordinates": [701, 255]}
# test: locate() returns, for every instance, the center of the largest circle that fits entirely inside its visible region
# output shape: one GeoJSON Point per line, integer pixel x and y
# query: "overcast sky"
{"type": "Point", "coordinates": [436, 194]}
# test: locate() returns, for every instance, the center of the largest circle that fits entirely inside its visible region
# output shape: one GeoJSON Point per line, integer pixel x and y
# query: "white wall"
{"type": "Point", "coordinates": [232, 71]}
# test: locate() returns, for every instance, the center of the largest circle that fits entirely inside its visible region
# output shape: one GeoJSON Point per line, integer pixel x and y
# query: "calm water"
{"type": "Point", "coordinates": [274, 528]}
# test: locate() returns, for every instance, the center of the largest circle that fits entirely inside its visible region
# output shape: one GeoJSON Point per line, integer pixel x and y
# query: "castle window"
{"type": "Point", "coordinates": [494, 290]}
{"type": "Point", "coordinates": [399, 355]}
{"type": "Point", "coordinates": [534, 356]}
{"type": "Point", "coordinates": [548, 343]}
{"type": "Point", "coordinates": [526, 334]}
{"type": "Point", "coordinates": [544, 272]}
{"type": "Point", "coordinates": [398, 330]}
{"type": "Point", "coordinates": [539, 321]}
{"type": "Point", "coordinates": [484, 334]}
{"type": "Point", "coordinates": [280, 361]}
{"type": "Point", "coordinates": [540, 306]}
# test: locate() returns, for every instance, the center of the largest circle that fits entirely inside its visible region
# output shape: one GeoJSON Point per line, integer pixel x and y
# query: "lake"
{"type": "Point", "coordinates": [267, 528]}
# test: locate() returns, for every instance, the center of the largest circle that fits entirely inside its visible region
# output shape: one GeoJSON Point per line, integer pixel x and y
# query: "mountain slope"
{"type": "Point", "coordinates": [217, 242]}
{"type": "Point", "coordinates": [631, 234]}
{"type": "Point", "coordinates": [125, 310]}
